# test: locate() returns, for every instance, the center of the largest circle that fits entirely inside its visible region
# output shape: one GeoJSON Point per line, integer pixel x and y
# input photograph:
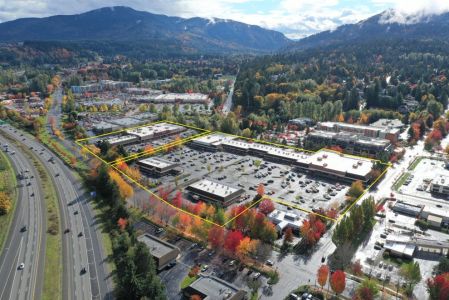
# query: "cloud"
{"type": "Point", "coordinates": [412, 11]}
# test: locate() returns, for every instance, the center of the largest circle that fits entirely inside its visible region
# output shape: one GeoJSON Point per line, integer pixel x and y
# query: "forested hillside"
{"type": "Point", "coordinates": [378, 77]}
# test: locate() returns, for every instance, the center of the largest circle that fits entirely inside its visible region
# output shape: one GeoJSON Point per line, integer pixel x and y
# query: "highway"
{"type": "Point", "coordinates": [27, 247]}
{"type": "Point", "coordinates": [82, 244]}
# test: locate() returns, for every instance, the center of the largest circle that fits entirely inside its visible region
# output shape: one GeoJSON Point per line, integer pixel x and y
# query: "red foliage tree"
{"type": "Point", "coordinates": [338, 281]}
{"type": "Point", "coordinates": [266, 206]}
{"type": "Point", "coordinates": [177, 200]}
{"type": "Point", "coordinates": [438, 287]}
{"type": "Point", "coordinates": [233, 239]}
{"type": "Point", "coordinates": [216, 237]}
{"type": "Point", "coordinates": [312, 230]}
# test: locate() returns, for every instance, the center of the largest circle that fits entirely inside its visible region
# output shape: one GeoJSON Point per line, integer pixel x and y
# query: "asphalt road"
{"type": "Point", "coordinates": [82, 245]}
{"type": "Point", "coordinates": [26, 247]}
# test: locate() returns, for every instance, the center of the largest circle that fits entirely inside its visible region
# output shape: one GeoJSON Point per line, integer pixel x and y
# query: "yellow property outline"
{"type": "Point", "coordinates": [207, 132]}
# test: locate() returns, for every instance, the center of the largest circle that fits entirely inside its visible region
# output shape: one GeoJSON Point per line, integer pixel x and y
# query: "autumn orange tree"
{"type": "Point", "coordinates": [338, 281]}
{"type": "Point", "coordinates": [260, 189]}
{"type": "Point", "coordinates": [322, 274]}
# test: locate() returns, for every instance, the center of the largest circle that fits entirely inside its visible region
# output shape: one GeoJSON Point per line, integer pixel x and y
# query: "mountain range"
{"type": "Point", "coordinates": [379, 27]}
{"type": "Point", "coordinates": [123, 30]}
{"type": "Point", "coordinates": [121, 24]}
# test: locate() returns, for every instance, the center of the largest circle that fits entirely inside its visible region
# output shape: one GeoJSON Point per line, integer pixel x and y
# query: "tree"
{"type": "Point", "coordinates": [232, 240]}
{"type": "Point", "coordinates": [177, 200]}
{"type": "Point", "coordinates": [411, 272]}
{"type": "Point", "coordinates": [261, 189]}
{"type": "Point", "coordinates": [122, 223]}
{"type": "Point", "coordinates": [322, 274]}
{"type": "Point", "coordinates": [288, 235]}
{"type": "Point", "coordinates": [338, 281]}
{"type": "Point", "coordinates": [357, 268]}
{"type": "Point", "coordinates": [5, 203]}
{"type": "Point", "coordinates": [266, 206]}
{"type": "Point", "coordinates": [216, 237]}
{"type": "Point", "coordinates": [356, 189]}
{"type": "Point", "coordinates": [435, 108]}
{"type": "Point", "coordinates": [367, 290]}
{"type": "Point", "coordinates": [244, 248]}
{"type": "Point", "coordinates": [438, 287]}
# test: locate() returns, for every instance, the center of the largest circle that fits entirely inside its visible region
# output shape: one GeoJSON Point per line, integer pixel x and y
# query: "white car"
{"type": "Point", "coordinates": [21, 266]}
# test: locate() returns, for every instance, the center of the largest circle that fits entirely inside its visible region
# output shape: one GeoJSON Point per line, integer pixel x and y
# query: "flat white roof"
{"type": "Point", "coordinates": [214, 139]}
{"type": "Point", "coordinates": [185, 97]}
{"type": "Point", "coordinates": [148, 131]}
{"type": "Point", "coordinates": [118, 139]}
{"type": "Point", "coordinates": [436, 211]}
{"type": "Point", "coordinates": [213, 187]}
{"type": "Point", "coordinates": [283, 219]}
{"type": "Point", "coordinates": [333, 161]}
{"type": "Point", "coordinates": [156, 162]}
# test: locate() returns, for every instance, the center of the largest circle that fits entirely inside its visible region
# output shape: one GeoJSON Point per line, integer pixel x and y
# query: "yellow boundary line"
{"type": "Point", "coordinates": [207, 132]}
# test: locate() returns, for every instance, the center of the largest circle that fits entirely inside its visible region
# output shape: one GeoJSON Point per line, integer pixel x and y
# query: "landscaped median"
{"type": "Point", "coordinates": [8, 185]}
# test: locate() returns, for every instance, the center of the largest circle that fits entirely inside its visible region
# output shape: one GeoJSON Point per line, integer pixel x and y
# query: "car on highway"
{"type": "Point", "coordinates": [24, 228]}
{"type": "Point", "coordinates": [21, 266]}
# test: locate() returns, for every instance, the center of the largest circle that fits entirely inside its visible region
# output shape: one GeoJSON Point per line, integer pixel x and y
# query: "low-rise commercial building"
{"type": "Point", "coordinates": [162, 252]}
{"type": "Point", "coordinates": [324, 162]}
{"type": "Point", "coordinates": [213, 288]}
{"type": "Point", "coordinates": [157, 166]}
{"type": "Point", "coordinates": [440, 185]}
{"type": "Point", "coordinates": [350, 142]}
{"type": "Point", "coordinates": [337, 166]}
{"type": "Point", "coordinates": [217, 193]}
{"type": "Point", "coordinates": [156, 131]}
{"type": "Point", "coordinates": [436, 215]}
{"type": "Point", "coordinates": [408, 209]}
{"type": "Point", "coordinates": [144, 133]}
{"type": "Point", "coordinates": [284, 220]}
{"type": "Point", "coordinates": [389, 133]}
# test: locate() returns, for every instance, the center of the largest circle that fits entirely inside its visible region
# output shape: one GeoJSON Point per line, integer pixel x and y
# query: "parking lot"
{"type": "Point", "coordinates": [280, 181]}
{"type": "Point", "coordinates": [418, 182]}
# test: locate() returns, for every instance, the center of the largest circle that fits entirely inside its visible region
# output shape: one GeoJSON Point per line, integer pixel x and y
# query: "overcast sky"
{"type": "Point", "coordinates": [295, 18]}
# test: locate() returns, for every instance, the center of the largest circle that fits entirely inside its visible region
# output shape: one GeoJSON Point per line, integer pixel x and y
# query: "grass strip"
{"type": "Point", "coordinates": [8, 184]}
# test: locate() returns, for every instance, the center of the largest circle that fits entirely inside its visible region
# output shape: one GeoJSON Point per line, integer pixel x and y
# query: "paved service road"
{"type": "Point", "coordinates": [24, 246]}
{"type": "Point", "coordinates": [82, 243]}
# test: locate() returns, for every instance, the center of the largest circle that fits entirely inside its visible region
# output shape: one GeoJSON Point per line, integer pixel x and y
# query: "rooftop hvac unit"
{"type": "Point", "coordinates": [354, 166]}
{"type": "Point", "coordinates": [319, 159]}
{"type": "Point", "coordinates": [324, 155]}
{"type": "Point", "coordinates": [359, 162]}
{"type": "Point", "coordinates": [325, 165]}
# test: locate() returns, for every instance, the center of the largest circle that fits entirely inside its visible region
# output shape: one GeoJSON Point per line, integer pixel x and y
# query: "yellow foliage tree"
{"type": "Point", "coordinates": [126, 190]}
{"type": "Point", "coordinates": [5, 203]}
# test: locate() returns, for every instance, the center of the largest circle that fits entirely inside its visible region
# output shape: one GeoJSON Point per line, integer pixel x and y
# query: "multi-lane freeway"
{"type": "Point", "coordinates": [81, 241]}
{"type": "Point", "coordinates": [26, 240]}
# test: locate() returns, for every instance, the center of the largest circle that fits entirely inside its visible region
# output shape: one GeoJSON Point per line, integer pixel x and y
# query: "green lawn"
{"type": "Point", "coordinates": [8, 184]}
{"type": "Point", "coordinates": [401, 181]}
{"type": "Point", "coordinates": [187, 281]}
